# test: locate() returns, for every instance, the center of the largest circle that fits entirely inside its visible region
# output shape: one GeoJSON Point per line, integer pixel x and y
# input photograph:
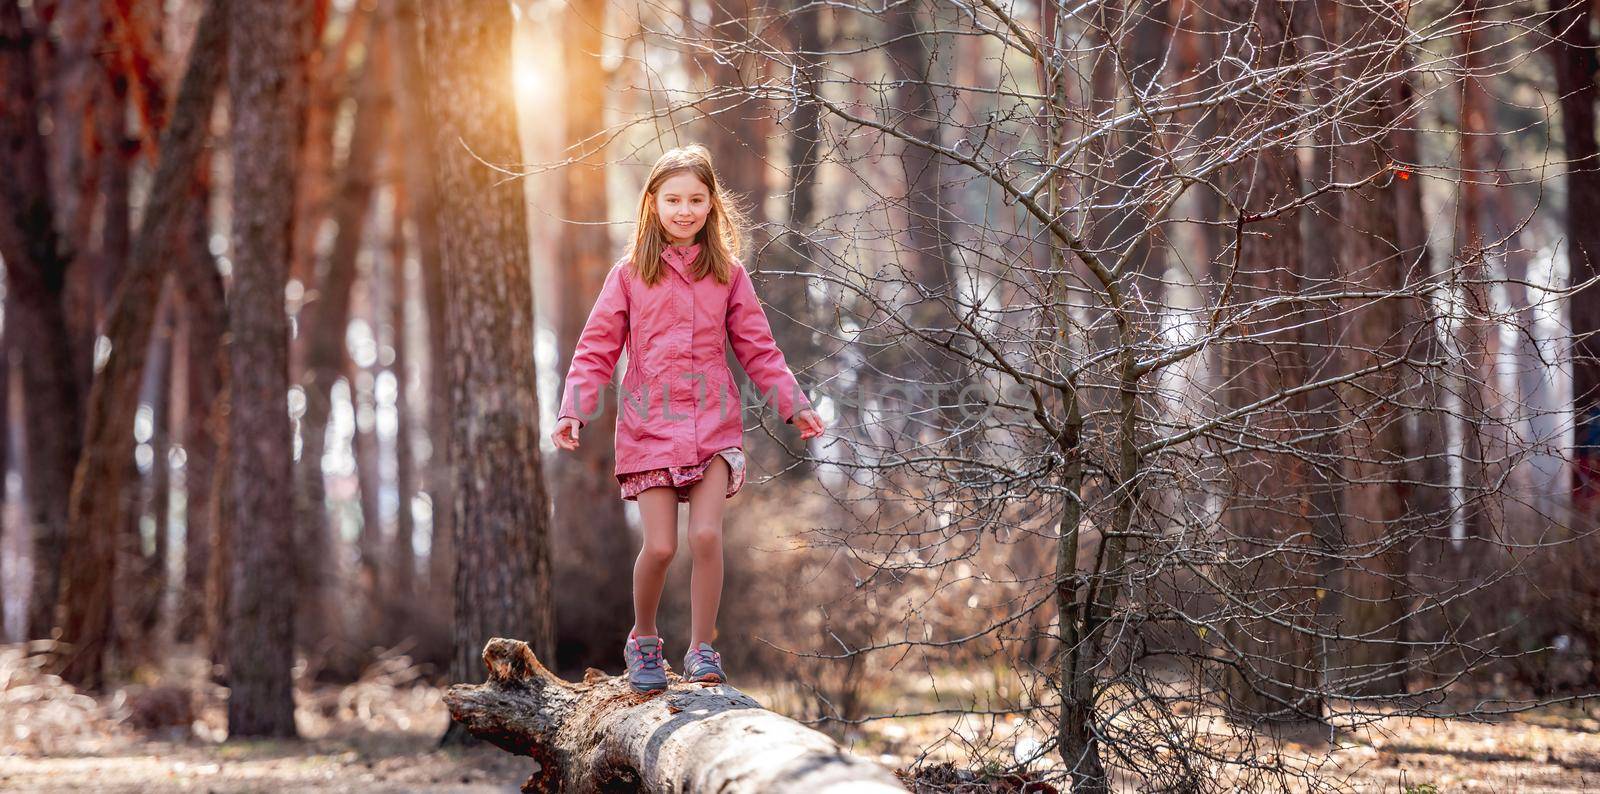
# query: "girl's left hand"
{"type": "Point", "coordinates": [810, 424]}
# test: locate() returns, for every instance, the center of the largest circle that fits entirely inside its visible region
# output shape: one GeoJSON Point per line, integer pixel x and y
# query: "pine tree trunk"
{"type": "Point", "coordinates": [791, 326]}
{"type": "Point", "coordinates": [6, 426]}
{"type": "Point", "coordinates": [1486, 445]}
{"type": "Point", "coordinates": [158, 487]}
{"type": "Point", "coordinates": [1277, 667]}
{"type": "Point", "coordinates": [36, 272]}
{"type": "Point", "coordinates": [925, 260]}
{"type": "Point", "coordinates": [402, 595]}
{"type": "Point", "coordinates": [439, 480]}
{"type": "Point", "coordinates": [736, 128]}
{"type": "Point", "coordinates": [98, 507]}
{"type": "Point", "coordinates": [140, 576]}
{"type": "Point", "coordinates": [324, 322]}
{"type": "Point", "coordinates": [264, 66]}
{"type": "Point", "coordinates": [592, 530]}
{"type": "Point", "coordinates": [116, 171]}
{"type": "Point", "coordinates": [1320, 236]}
{"type": "Point", "coordinates": [364, 447]}
{"type": "Point", "coordinates": [204, 317]}
{"type": "Point", "coordinates": [1577, 91]}
{"type": "Point", "coordinates": [501, 508]}
{"type": "Point", "coordinates": [1372, 503]}
{"type": "Point", "coordinates": [219, 571]}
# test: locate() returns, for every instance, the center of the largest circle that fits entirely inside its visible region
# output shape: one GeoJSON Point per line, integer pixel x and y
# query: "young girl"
{"type": "Point", "coordinates": [674, 299]}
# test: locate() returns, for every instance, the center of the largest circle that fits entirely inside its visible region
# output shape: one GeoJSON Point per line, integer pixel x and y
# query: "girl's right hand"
{"type": "Point", "coordinates": [565, 435]}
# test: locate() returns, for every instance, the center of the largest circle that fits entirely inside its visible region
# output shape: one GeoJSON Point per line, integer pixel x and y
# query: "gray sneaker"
{"type": "Point", "coordinates": [646, 669]}
{"type": "Point", "coordinates": [703, 664]}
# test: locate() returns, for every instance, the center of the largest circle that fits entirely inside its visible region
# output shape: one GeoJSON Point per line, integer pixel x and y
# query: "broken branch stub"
{"type": "Point", "coordinates": [601, 736]}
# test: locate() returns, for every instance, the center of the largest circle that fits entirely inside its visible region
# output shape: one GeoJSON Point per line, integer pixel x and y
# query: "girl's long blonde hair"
{"type": "Point", "coordinates": [718, 239]}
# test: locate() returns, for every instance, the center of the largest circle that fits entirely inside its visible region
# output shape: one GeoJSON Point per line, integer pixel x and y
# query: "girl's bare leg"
{"type": "Point", "coordinates": [658, 512]}
{"type": "Point", "coordinates": [706, 499]}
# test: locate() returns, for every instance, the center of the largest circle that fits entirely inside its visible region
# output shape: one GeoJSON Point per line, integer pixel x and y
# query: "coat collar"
{"type": "Point", "coordinates": [681, 258]}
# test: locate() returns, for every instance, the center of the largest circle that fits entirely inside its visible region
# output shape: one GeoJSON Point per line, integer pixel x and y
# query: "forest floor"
{"type": "Point", "coordinates": [381, 735]}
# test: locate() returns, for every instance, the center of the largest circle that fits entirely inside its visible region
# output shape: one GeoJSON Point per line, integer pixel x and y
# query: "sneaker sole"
{"type": "Point", "coordinates": [707, 679]}
{"type": "Point", "coordinates": [646, 688]}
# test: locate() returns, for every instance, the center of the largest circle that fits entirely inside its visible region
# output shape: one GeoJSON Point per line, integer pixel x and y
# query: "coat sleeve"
{"type": "Point", "coordinates": [594, 359]}
{"type": "Point", "coordinates": [753, 345]}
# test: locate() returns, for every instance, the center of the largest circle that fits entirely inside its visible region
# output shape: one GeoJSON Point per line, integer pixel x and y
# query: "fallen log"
{"type": "Point", "coordinates": [601, 736]}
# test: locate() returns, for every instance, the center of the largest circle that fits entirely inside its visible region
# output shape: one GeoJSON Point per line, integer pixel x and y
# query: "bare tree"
{"type": "Point", "coordinates": [1184, 268]}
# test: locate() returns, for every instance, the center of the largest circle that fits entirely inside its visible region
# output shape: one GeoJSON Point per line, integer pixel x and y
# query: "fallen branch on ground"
{"type": "Point", "coordinates": [600, 735]}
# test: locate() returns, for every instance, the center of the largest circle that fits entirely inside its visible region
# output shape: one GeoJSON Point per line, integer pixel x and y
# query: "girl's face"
{"type": "Point", "coordinates": [683, 203]}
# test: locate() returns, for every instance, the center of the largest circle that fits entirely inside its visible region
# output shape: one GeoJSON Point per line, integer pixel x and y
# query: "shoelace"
{"type": "Point", "coordinates": [712, 656]}
{"type": "Point", "coordinates": [649, 659]}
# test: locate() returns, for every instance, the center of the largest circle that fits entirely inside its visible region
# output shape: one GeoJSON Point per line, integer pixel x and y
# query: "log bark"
{"type": "Point", "coordinates": [600, 735]}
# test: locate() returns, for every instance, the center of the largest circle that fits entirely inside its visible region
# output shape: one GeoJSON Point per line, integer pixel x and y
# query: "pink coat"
{"type": "Point", "coordinates": [679, 402]}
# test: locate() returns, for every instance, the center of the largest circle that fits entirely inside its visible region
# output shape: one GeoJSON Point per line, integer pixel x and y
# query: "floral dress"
{"type": "Point", "coordinates": [681, 477]}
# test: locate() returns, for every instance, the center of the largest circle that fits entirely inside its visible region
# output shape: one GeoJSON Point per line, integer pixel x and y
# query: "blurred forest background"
{"type": "Point", "coordinates": [1211, 383]}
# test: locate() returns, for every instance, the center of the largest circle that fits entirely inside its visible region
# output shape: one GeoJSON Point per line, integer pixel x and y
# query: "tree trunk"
{"type": "Point", "coordinates": [98, 491]}
{"type": "Point", "coordinates": [158, 490]}
{"type": "Point", "coordinates": [116, 171]}
{"type": "Point", "coordinates": [402, 598]}
{"type": "Point", "coordinates": [264, 68]}
{"type": "Point", "coordinates": [36, 272]}
{"type": "Point", "coordinates": [1320, 235]}
{"type": "Point", "coordinates": [502, 579]}
{"type": "Point", "coordinates": [735, 127]}
{"type": "Point", "coordinates": [600, 735]}
{"type": "Point", "coordinates": [7, 424]}
{"type": "Point", "coordinates": [219, 571]}
{"type": "Point", "coordinates": [1575, 86]}
{"type": "Point", "coordinates": [1277, 670]}
{"type": "Point", "coordinates": [204, 312]}
{"type": "Point", "coordinates": [415, 127]}
{"type": "Point", "coordinates": [795, 317]}
{"type": "Point", "coordinates": [325, 320]}
{"type": "Point", "coordinates": [1484, 404]}
{"type": "Point", "coordinates": [1075, 670]}
{"type": "Point", "coordinates": [1373, 502]}
{"type": "Point", "coordinates": [328, 83]}
{"type": "Point", "coordinates": [926, 263]}
{"type": "Point", "coordinates": [140, 578]}
{"type": "Point", "coordinates": [367, 589]}
{"type": "Point", "coordinates": [592, 528]}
